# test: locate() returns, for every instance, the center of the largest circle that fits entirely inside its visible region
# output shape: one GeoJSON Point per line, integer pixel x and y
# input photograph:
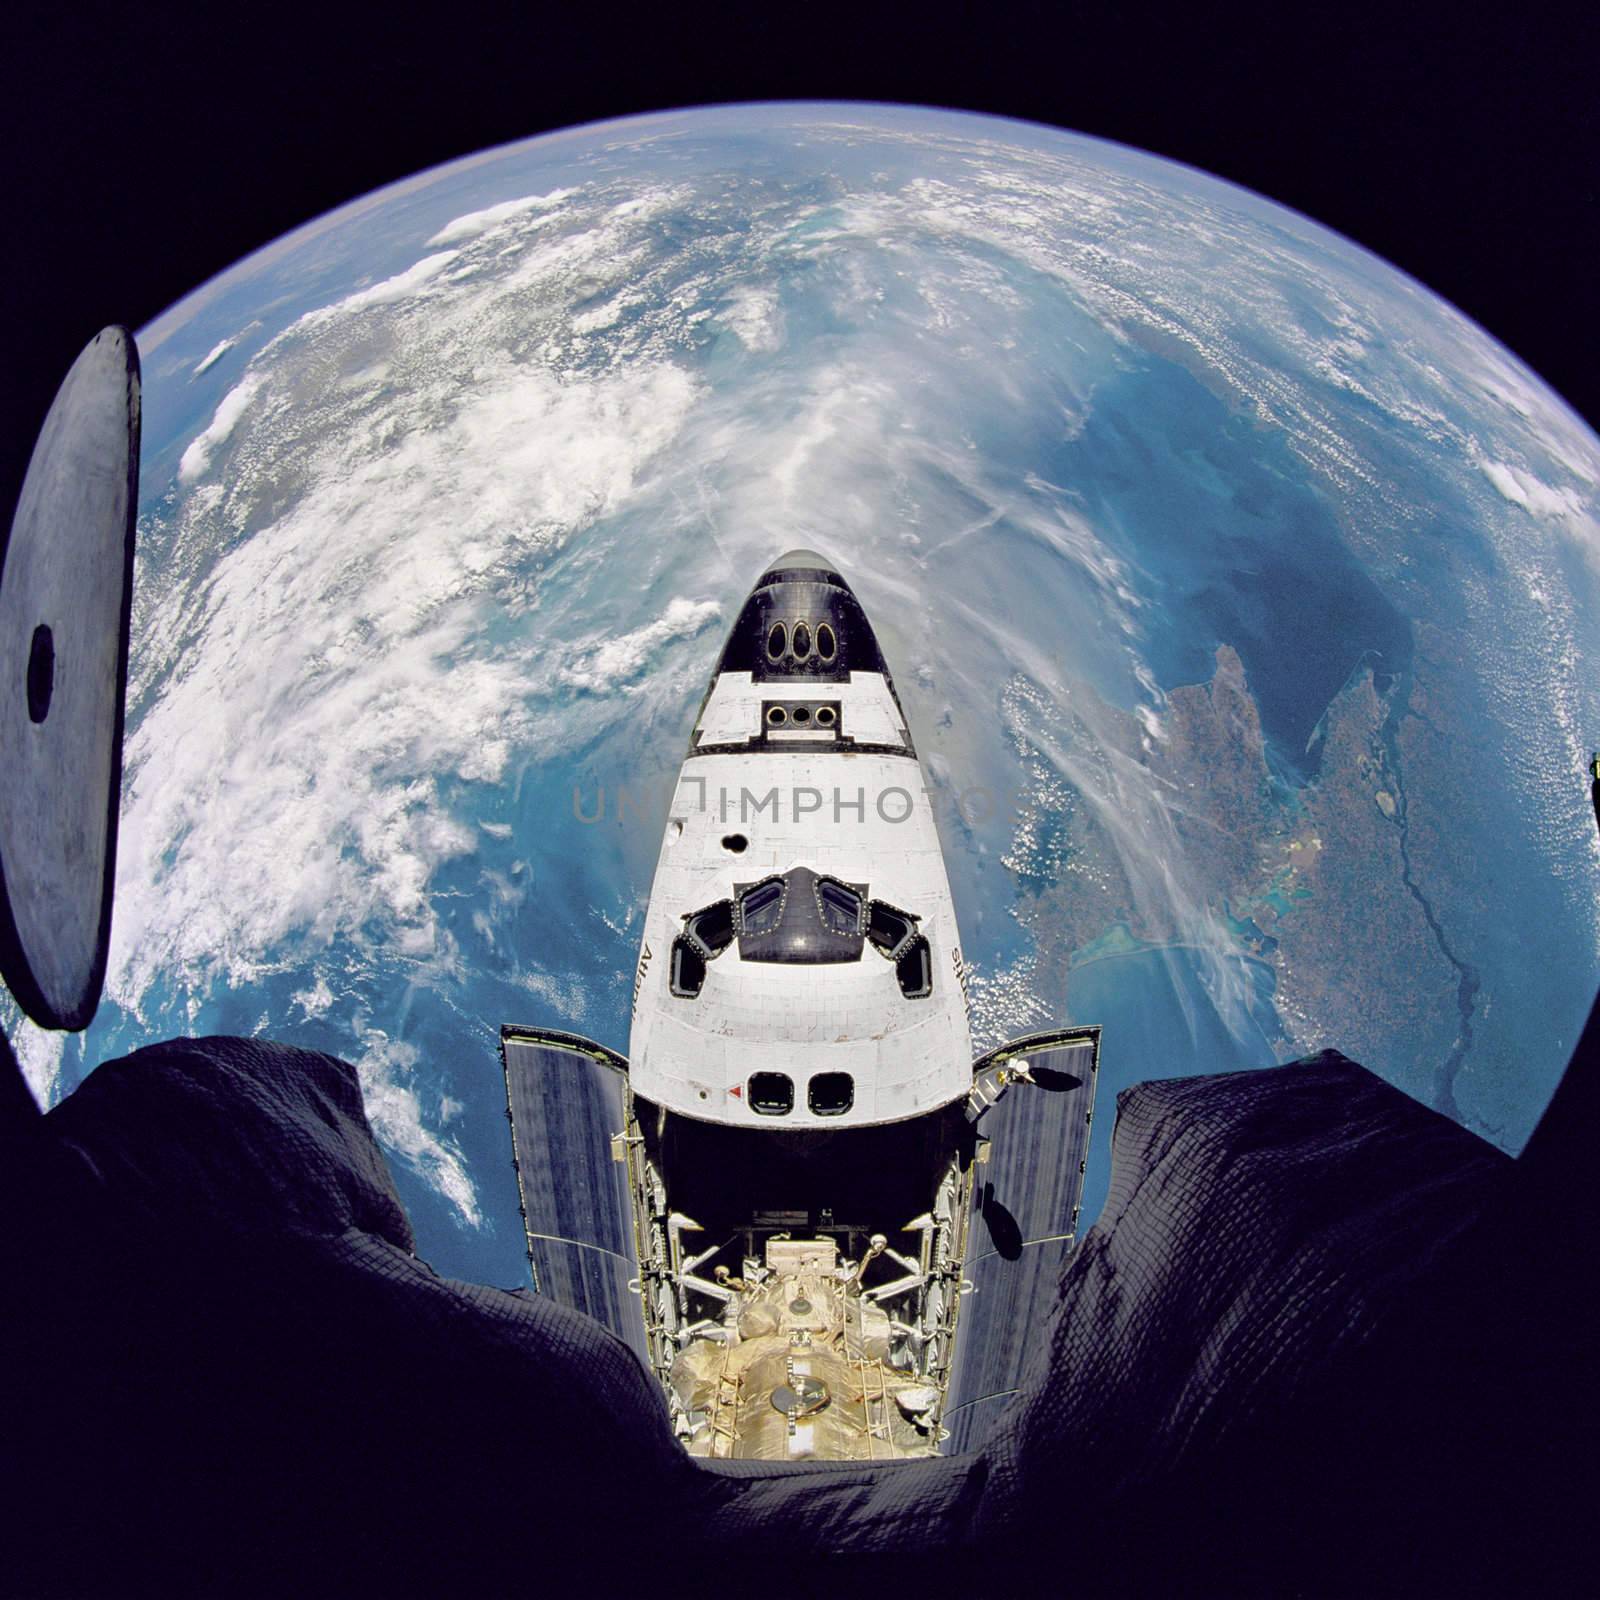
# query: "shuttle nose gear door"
{"type": "Point", "coordinates": [1032, 1100]}
{"type": "Point", "coordinates": [567, 1099]}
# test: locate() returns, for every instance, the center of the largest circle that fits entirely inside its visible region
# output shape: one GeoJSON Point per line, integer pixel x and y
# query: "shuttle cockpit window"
{"type": "Point", "coordinates": [894, 936]}
{"type": "Point", "coordinates": [914, 970]}
{"type": "Point", "coordinates": [802, 641]}
{"type": "Point", "coordinates": [890, 929]}
{"type": "Point", "coordinates": [826, 643]}
{"type": "Point", "coordinates": [761, 906]}
{"type": "Point", "coordinates": [841, 907]}
{"type": "Point", "coordinates": [777, 641]}
{"type": "Point", "coordinates": [688, 972]}
{"type": "Point", "coordinates": [706, 934]}
{"type": "Point", "coordinates": [771, 1093]}
{"type": "Point", "coordinates": [801, 918]}
{"type": "Point", "coordinates": [711, 929]}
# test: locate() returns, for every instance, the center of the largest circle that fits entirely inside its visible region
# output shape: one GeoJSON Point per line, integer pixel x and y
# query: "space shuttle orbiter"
{"type": "Point", "coordinates": [799, 1198]}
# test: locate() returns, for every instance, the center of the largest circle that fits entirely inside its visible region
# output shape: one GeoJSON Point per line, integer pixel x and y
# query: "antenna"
{"type": "Point", "coordinates": [66, 588]}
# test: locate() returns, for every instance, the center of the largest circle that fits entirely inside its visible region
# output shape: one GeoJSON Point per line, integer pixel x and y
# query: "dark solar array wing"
{"type": "Point", "coordinates": [566, 1098]}
{"type": "Point", "coordinates": [1025, 1202]}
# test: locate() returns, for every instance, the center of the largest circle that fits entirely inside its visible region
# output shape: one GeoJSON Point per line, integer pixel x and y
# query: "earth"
{"type": "Point", "coordinates": [1241, 593]}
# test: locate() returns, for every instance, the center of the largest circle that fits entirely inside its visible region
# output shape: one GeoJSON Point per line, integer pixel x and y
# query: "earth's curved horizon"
{"type": "Point", "coordinates": [1241, 593]}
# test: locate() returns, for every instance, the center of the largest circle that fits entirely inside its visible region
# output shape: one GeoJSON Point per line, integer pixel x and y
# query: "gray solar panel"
{"type": "Point", "coordinates": [1025, 1200]}
{"type": "Point", "coordinates": [567, 1101]}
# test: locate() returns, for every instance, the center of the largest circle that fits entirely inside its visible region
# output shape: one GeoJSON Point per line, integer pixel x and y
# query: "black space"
{"type": "Point", "coordinates": [145, 148]}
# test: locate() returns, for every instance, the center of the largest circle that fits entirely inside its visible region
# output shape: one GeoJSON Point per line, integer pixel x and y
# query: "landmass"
{"type": "Point", "coordinates": [1176, 831]}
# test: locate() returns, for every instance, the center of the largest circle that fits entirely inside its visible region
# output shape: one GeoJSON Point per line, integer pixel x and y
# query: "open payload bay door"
{"type": "Point", "coordinates": [1033, 1101]}
{"type": "Point", "coordinates": [567, 1100]}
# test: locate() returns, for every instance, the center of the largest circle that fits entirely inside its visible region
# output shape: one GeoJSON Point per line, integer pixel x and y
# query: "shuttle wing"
{"type": "Point", "coordinates": [566, 1098]}
{"type": "Point", "coordinates": [1034, 1099]}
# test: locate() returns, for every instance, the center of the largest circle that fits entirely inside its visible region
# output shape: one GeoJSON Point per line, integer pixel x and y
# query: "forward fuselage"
{"type": "Point", "coordinates": [801, 964]}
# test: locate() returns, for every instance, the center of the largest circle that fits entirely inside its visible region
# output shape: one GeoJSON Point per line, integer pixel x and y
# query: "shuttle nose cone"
{"type": "Point", "coordinates": [801, 620]}
{"type": "Point", "coordinates": [802, 566]}
{"type": "Point", "coordinates": [795, 561]}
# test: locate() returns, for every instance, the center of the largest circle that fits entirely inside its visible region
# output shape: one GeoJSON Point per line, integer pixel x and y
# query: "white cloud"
{"type": "Point", "coordinates": [218, 351]}
{"type": "Point", "coordinates": [38, 1052]}
{"type": "Point", "coordinates": [334, 674]}
{"type": "Point", "coordinates": [476, 222]}
{"type": "Point", "coordinates": [600, 318]}
{"type": "Point", "coordinates": [568, 998]}
{"type": "Point", "coordinates": [387, 1070]}
{"type": "Point", "coordinates": [1521, 488]}
{"type": "Point", "coordinates": [234, 404]}
{"type": "Point", "coordinates": [609, 666]}
{"type": "Point", "coordinates": [402, 286]}
{"type": "Point", "coordinates": [315, 1001]}
{"type": "Point", "coordinates": [341, 644]}
{"type": "Point", "coordinates": [752, 316]}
